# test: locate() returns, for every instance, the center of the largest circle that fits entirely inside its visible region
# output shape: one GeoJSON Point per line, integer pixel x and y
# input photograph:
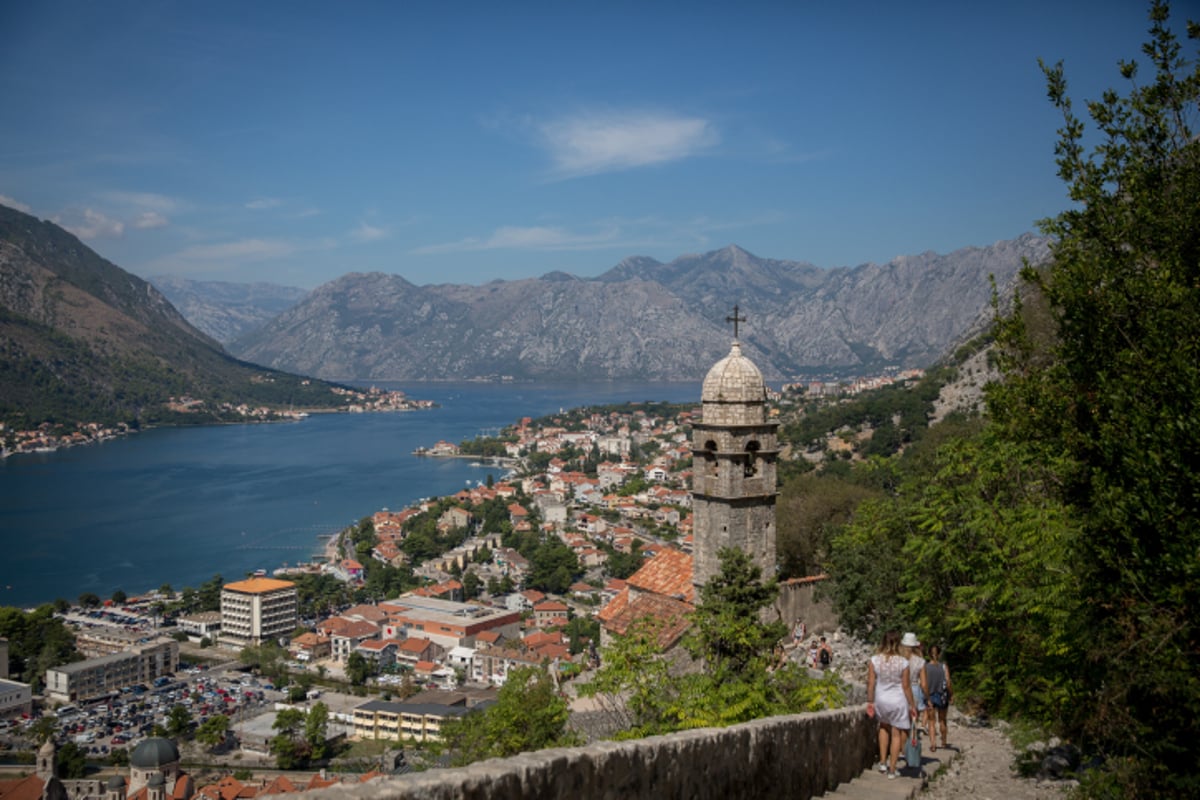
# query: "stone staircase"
{"type": "Point", "coordinates": [874, 785]}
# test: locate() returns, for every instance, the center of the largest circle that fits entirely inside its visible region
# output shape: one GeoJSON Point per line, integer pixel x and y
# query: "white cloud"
{"type": "Point", "coordinates": [263, 203]}
{"type": "Point", "coordinates": [592, 143]}
{"type": "Point", "coordinates": [143, 200]}
{"type": "Point", "coordinates": [150, 219]}
{"type": "Point", "coordinates": [238, 251]}
{"type": "Point", "coordinates": [608, 234]}
{"type": "Point", "coordinates": [93, 225]}
{"type": "Point", "coordinates": [5, 200]}
{"type": "Point", "coordinates": [530, 238]}
{"type": "Point", "coordinates": [368, 233]}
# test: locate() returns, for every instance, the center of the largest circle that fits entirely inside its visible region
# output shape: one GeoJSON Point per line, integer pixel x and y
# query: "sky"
{"type": "Point", "coordinates": [295, 142]}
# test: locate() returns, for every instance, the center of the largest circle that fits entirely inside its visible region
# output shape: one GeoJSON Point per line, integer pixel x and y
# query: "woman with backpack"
{"type": "Point", "coordinates": [937, 678]}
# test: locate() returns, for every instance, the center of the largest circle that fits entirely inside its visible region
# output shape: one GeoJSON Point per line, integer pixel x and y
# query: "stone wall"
{"type": "Point", "coordinates": [795, 757]}
{"type": "Point", "coordinates": [798, 601]}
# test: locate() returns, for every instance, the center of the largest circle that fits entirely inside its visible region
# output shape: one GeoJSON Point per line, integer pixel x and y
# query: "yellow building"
{"type": "Point", "coordinates": [394, 722]}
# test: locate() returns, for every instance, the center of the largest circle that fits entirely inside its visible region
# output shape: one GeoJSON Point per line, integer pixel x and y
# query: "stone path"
{"type": "Point", "coordinates": [977, 765]}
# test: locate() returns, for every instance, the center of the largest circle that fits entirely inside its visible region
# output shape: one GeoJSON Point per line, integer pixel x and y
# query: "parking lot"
{"type": "Point", "coordinates": [125, 718]}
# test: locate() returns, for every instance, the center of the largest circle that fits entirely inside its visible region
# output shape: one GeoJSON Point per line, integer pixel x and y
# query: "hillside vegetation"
{"type": "Point", "coordinates": [82, 340]}
{"type": "Point", "coordinates": [1053, 547]}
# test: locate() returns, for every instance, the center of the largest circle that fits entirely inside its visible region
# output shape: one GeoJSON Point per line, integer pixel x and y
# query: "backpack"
{"type": "Point", "coordinates": [936, 678]}
{"type": "Point", "coordinates": [824, 658]}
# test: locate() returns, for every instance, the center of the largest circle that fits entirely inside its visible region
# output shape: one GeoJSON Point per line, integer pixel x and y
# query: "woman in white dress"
{"type": "Point", "coordinates": [890, 700]}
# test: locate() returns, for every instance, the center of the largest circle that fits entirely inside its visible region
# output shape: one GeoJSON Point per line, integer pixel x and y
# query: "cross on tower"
{"type": "Point", "coordinates": [735, 319]}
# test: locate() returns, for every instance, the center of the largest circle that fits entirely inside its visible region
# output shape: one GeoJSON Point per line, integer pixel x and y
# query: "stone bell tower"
{"type": "Point", "coordinates": [734, 451]}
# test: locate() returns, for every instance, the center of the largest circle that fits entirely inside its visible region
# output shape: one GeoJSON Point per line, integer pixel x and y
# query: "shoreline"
{"type": "Point", "coordinates": [291, 416]}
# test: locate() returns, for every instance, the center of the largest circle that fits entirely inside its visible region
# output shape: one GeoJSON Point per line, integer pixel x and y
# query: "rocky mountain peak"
{"type": "Point", "coordinates": [642, 319]}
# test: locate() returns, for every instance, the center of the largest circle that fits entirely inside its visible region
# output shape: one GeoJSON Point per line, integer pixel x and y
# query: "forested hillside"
{"type": "Point", "coordinates": [1053, 547]}
{"type": "Point", "coordinates": [82, 340]}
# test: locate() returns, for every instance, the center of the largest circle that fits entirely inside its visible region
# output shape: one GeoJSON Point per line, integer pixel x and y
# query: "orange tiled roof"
{"type": "Point", "coordinates": [367, 612]}
{"type": "Point", "coordinates": [671, 614]}
{"type": "Point", "coordinates": [282, 784]}
{"type": "Point", "coordinates": [614, 607]}
{"type": "Point", "coordinates": [317, 782]}
{"type": "Point", "coordinates": [552, 650]}
{"type": "Point", "coordinates": [539, 638]}
{"type": "Point", "coordinates": [27, 788]}
{"type": "Point", "coordinates": [259, 585]}
{"type": "Point", "coordinates": [414, 644]}
{"type": "Point", "coordinates": [669, 573]}
{"type": "Point", "coordinates": [309, 639]}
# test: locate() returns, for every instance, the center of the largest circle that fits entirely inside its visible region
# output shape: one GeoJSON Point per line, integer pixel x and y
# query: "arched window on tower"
{"type": "Point", "coordinates": [710, 457]}
{"type": "Point", "coordinates": [750, 467]}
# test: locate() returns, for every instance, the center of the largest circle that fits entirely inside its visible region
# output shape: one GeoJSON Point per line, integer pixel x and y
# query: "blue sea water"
{"type": "Point", "coordinates": [179, 505]}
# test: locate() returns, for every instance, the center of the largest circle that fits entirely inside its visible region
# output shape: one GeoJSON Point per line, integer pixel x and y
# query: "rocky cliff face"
{"type": "Point", "coordinates": [641, 320]}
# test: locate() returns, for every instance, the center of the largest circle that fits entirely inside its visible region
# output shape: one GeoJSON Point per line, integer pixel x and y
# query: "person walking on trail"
{"type": "Point", "coordinates": [937, 679]}
{"type": "Point", "coordinates": [890, 700]}
{"type": "Point", "coordinates": [910, 648]}
{"type": "Point", "coordinates": [824, 654]}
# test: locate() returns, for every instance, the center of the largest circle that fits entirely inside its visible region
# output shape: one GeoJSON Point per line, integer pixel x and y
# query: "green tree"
{"type": "Point", "coordinates": [289, 750]}
{"type": "Point", "coordinates": [316, 724]}
{"type": "Point", "coordinates": [1117, 403]}
{"type": "Point", "coordinates": [726, 629]}
{"type": "Point", "coordinates": [179, 721]}
{"type": "Point", "coordinates": [632, 685]}
{"type": "Point", "coordinates": [72, 761]}
{"type": "Point", "coordinates": [471, 584]}
{"type": "Point", "coordinates": [119, 597]}
{"type": "Point", "coordinates": [208, 597]}
{"type": "Point", "coordinates": [812, 507]}
{"type": "Point", "coordinates": [43, 728]}
{"type": "Point", "coordinates": [89, 600]}
{"type": "Point", "coordinates": [528, 715]}
{"type": "Point", "coordinates": [212, 731]}
{"type": "Point", "coordinates": [358, 669]}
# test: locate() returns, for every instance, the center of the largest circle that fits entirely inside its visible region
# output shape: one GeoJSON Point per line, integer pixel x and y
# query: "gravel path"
{"type": "Point", "coordinates": [983, 769]}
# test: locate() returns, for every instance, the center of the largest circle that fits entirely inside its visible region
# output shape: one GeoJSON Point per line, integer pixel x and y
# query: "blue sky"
{"type": "Point", "coordinates": [460, 143]}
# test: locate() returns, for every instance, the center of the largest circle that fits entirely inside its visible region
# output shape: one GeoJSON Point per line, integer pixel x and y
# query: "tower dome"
{"type": "Point", "coordinates": [734, 392]}
{"type": "Point", "coordinates": [154, 754]}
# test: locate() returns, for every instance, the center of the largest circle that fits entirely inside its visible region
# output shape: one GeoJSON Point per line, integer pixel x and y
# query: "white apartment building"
{"type": "Point", "coordinates": [257, 610]}
{"type": "Point", "coordinates": [15, 698]}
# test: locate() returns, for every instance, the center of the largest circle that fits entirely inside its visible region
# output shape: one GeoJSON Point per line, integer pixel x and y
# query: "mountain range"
{"type": "Point", "coordinates": [642, 319]}
{"type": "Point", "coordinates": [225, 310]}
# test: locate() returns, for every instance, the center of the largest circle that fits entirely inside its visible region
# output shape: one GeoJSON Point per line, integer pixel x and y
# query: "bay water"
{"type": "Point", "coordinates": [180, 505]}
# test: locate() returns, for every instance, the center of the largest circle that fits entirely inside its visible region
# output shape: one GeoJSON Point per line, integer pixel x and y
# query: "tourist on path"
{"type": "Point", "coordinates": [824, 654]}
{"type": "Point", "coordinates": [890, 700]}
{"type": "Point", "coordinates": [910, 648]}
{"type": "Point", "coordinates": [937, 680]}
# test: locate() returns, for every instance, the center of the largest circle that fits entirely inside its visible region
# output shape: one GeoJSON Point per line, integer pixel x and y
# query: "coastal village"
{"type": "Point", "coordinates": [608, 488]}
{"type": "Point", "coordinates": [47, 438]}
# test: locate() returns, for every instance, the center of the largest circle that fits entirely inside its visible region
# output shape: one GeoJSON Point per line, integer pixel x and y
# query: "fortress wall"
{"type": "Point", "coordinates": [798, 757]}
